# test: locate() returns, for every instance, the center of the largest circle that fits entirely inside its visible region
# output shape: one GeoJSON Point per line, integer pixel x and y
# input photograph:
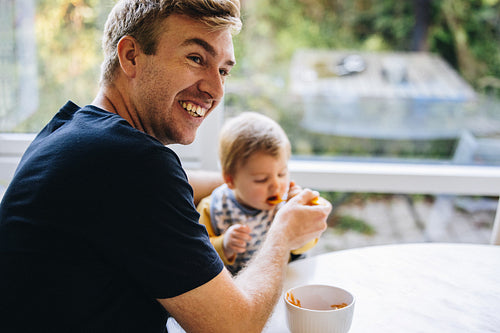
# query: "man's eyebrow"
{"type": "Point", "coordinates": [209, 48]}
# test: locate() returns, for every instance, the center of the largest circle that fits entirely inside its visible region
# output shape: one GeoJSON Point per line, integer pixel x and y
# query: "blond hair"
{"type": "Point", "coordinates": [247, 134]}
{"type": "Point", "coordinates": [142, 20]}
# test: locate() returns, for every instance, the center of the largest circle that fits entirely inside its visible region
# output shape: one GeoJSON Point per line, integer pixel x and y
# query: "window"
{"type": "Point", "coordinates": [377, 96]}
{"type": "Point", "coordinates": [18, 70]}
{"type": "Point", "coordinates": [51, 52]}
{"type": "Point", "coordinates": [430, 103]}
{"type": "Point", "coordinates": [377, 80]}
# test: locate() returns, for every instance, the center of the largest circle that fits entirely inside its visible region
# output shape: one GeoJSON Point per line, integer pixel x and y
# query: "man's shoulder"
{"type": "Point", "coordinates": [90, 135]}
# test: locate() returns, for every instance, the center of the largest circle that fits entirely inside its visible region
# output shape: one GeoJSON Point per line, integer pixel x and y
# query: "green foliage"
{"type": "Point", "coordinates": [465, 32]}
{"type": "Point", "coordinates": [346, 223]}
{"type": "Point", "coordinates": [278, 28]}
{"type": "Point", "coordinates": [69, 55]}
{"type": "Point", "coordinates": [467, 35]}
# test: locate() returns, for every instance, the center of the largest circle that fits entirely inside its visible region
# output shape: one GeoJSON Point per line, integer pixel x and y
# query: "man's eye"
{"type": "Point", "coordinates": [195, 59]}
{"type": "Point", "coordinates": [224, 73]}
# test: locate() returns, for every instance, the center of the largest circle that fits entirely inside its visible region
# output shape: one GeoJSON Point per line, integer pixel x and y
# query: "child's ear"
{"type": "Point", "coordinates": [228, 179]}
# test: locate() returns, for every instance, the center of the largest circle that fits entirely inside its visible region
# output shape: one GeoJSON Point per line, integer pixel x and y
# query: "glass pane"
{"type": "Point", "coordinates": [406, 81]}
{"type": "Point", "coordinates": [49, 52]}
{"type": "Point", "coordinates": [380, 81]}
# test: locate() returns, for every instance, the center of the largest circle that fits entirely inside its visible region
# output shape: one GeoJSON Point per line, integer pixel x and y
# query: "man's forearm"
{"type": "Point", "coordinates": [252, 295]}
{"type": "Point", "coordinates": [262, 280]}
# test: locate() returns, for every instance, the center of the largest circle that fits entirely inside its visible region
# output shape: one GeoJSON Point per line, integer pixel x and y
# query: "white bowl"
{"type": "Point", "coordinates": [315, 313]}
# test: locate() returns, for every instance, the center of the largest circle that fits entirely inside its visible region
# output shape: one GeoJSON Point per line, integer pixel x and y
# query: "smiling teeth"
{"type": "Point", "coordinates": [194, 110]}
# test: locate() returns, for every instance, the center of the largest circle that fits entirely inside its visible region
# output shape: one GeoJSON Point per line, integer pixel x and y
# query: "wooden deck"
{"type": "Point", "coordinates": [396, 219]}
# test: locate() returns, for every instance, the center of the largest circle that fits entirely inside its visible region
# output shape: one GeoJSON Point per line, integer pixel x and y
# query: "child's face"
{"type": "Point", "coordinates": [261, 177]}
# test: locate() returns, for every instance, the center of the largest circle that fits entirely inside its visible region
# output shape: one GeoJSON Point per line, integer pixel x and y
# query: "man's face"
{"type": "Point", "coordinates": [183, 82]}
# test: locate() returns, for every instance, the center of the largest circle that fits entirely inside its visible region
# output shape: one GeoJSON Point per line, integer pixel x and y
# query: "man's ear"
{"type": "Point", "coordinates": [228, 179]}
{"type": "Point", "coordinates": [128, 50]}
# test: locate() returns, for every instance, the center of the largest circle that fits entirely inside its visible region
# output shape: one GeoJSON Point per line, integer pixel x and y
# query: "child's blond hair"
{"type": "Point", "coordinates": [249, 133]}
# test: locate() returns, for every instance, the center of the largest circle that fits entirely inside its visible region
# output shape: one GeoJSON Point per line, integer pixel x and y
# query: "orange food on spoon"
{"type": "Point", "coordinates": [274, 200]}
{"type": "Point", "coordinates": [317, 201]}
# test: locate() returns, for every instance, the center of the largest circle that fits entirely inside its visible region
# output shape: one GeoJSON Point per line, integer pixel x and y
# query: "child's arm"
{"type": "Point", "coordinates": [236, 239]}
{"type": "Point", "coordinates": [216, 240]}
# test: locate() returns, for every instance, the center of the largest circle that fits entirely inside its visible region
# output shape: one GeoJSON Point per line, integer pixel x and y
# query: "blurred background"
{"type": "Point", "coordinates": [415, 81]}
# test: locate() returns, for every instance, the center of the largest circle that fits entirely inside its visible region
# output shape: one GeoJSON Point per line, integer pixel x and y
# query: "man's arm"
{"type": "Point", "coordinates": [244, 304]}
{"type": "Point", "coordinates": [203, 183]}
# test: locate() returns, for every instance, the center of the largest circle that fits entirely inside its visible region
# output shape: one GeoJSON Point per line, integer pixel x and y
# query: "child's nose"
{"type": "Point", "coordinates": [275, 184]}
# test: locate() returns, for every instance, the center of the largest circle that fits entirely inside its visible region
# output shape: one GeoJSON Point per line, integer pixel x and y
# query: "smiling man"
{"type": "Point", "coordinates": [169, 93]}
{"type": "Point", "coordinates": [98, 230]}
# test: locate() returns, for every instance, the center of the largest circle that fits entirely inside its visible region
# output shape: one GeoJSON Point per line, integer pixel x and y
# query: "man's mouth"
{"type": "Point", "coordinates": [193, 109]}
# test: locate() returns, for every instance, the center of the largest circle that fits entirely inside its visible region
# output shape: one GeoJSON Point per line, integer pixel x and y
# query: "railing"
{"type": "Point", "coordinates": [342, 176]}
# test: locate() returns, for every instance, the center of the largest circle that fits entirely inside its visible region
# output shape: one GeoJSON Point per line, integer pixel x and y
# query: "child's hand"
{"type": "Point", "coordinates": [293, 190]}
{"type": "Point", "coordinates": [236, 239]}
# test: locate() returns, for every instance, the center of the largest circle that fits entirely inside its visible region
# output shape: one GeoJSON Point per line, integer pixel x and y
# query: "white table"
{"type": "Point", "coordinates": [409, 288]}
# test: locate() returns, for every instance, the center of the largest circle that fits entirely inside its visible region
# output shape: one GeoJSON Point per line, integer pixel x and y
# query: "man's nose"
{"type": "Point", "coordinates": [212, 84]}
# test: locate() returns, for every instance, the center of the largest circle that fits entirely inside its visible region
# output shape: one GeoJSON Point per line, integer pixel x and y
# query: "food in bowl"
{"type": "Point", "coordinates": [338, 306]}
{"type": "Point", "coordinates": [319, 308]}
{"type": "Point", "coordinates": [290, 298]}
{"type": "Point", "coordinates": [295, 301]}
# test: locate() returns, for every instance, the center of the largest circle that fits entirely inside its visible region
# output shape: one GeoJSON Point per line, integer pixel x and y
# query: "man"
{"type": "Point", "coordinates": [98, 231]}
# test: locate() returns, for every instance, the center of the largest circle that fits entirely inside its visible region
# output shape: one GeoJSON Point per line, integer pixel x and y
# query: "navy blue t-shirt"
{"type": "Point", "coordinates": [97, 223]}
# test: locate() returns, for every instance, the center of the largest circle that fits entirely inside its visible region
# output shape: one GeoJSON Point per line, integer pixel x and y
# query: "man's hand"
{"type": "Point", "coordinates": [236, 238]}
{"type": "Point", "coordinates": [298, 222]}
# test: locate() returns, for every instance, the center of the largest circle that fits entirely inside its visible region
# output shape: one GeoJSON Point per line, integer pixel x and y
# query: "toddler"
{"type": "Point", "coordinates": [254, 152]}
